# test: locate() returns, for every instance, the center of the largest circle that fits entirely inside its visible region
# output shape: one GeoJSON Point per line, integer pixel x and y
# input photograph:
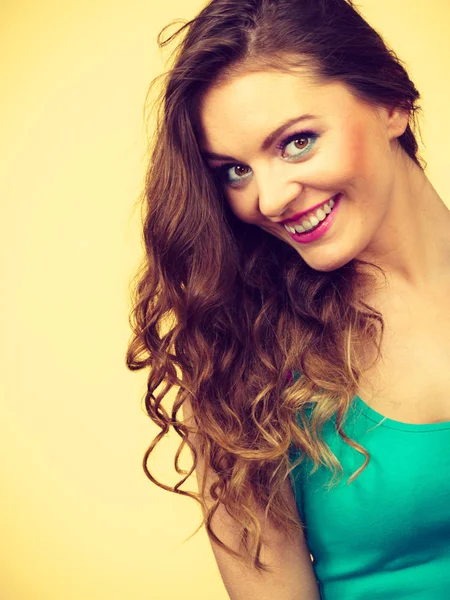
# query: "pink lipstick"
{"type": "Point", "coordinates": [305, 212]}
{"type": "Point", "coordinates": [321, 229]}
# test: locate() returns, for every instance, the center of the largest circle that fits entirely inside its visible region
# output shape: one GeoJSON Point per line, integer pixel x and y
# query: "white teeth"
{"type": "Point", "coordinates": [321, 214]}
{"type": "Point", "coordinates": [313, 220]}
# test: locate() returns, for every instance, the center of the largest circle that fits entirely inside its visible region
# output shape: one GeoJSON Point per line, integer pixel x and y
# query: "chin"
{"type": "Point", "coordinates": [326, 264]}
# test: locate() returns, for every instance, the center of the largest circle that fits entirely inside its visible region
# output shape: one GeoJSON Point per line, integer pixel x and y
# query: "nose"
{"type": "Point", "coordinates": [276, 196]}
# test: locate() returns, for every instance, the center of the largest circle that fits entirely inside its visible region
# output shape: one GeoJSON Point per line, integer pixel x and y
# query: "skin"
{"type": "Point", "coordinates": [389, 213]}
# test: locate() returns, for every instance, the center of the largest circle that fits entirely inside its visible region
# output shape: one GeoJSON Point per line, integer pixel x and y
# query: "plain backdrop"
{"type": "Point", "coordinates": [78, 518]}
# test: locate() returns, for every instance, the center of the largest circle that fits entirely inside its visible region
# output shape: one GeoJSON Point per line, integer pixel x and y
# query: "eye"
{"type": "Point", "coordinates": [232, 175]}
{"type": "Point", "coordinates": [298, 144]}
{"type": "Point", "coordinates": [301, 142]}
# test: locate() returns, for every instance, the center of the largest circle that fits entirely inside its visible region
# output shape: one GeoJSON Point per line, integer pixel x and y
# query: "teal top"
{"type": "Point", "coordinates": [386, 535]}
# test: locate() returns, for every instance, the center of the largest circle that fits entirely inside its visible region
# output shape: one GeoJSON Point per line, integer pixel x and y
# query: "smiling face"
{"type": "Point", "coordinates": [308, 162]}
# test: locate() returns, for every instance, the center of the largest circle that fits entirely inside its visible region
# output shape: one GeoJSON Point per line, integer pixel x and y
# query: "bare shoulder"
{"type": "Point", "coordinates": [291, 575]}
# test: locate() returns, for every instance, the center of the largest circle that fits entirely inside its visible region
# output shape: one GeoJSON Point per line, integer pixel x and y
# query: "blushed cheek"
{"type": "Point", "coordinates": [366, 167]}
{"type": "Point", "coordinates": [366, 151]}
{"type": "Point", "coordinates": [357, 158]}
{"type": "Point", "coordinates": [356, 149]}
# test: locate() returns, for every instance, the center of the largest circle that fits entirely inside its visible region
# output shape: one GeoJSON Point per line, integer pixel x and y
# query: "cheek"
{"type": "Point", "coordinates": [355, 155]}
{"type": "Point", "coordinates": [365, 155]}
{"type": "Point", "coordinates": [355, 161]}
{"type": "Point", "coordinates": [243, 206]}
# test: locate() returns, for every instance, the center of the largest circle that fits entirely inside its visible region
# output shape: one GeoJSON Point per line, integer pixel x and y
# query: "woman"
{"type": "Point", "coordinates": [295, 293]}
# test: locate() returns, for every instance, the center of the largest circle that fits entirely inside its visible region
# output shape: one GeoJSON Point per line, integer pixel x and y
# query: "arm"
{"type": "Point", "coordinates": [292, 576]}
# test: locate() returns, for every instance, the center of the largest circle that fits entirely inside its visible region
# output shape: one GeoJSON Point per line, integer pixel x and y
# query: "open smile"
{"type": "Point", "coordinates": [315, 223]}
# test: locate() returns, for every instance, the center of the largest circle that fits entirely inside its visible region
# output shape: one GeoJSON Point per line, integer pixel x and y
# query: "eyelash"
{"type": "Point", "coordinates": [223, 169]}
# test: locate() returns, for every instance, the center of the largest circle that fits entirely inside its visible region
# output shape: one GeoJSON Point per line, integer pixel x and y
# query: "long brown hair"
{"type": "Point", "coordinates": [222, 310]}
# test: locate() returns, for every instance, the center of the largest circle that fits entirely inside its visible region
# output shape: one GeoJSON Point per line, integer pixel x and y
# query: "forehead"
{"type": "Point", "coordinates": [255, 103]}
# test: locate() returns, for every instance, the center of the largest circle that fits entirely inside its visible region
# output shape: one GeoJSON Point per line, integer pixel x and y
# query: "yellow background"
{"type": "Point", "coordinates": [78, 518]}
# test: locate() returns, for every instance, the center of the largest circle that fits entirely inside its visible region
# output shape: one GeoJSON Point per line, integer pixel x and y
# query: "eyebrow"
{"type": "Point", "coordinates": [269, 140]}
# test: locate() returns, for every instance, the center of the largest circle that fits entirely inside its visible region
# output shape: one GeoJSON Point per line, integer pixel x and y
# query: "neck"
{"type": "Point", "coordinates": [413, 244]}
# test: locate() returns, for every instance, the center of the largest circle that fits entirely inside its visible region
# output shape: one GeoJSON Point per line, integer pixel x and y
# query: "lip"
{"type": "Point", "coordinates": [305, 212]}
{"type": "Point", "coordinates": [321, 230]}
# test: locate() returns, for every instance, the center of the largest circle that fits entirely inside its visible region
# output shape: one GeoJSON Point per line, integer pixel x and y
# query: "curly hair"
{"type": "Point", "coordinates": [223, 312]}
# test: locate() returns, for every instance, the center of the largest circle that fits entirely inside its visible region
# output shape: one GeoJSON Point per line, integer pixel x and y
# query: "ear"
{"type": "Point", "coordinates": [397, 121]}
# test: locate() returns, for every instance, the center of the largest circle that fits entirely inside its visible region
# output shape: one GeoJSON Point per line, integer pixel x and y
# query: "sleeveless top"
{"type": "Point", "coordinates": [386, 535]}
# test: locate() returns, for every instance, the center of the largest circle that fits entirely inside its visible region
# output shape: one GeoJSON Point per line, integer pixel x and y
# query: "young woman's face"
{"type": "Point", "coordinates": [305, 156]}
